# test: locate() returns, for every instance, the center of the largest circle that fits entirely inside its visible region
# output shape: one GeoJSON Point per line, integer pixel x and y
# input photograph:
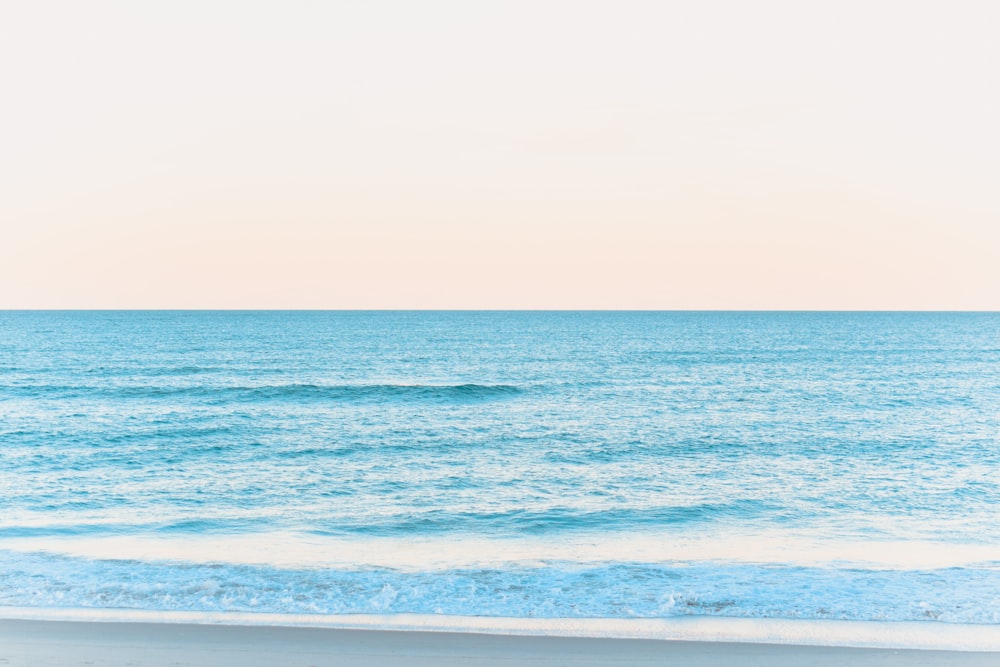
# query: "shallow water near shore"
{"type": "Point", "coordinates": [921, 636]}
{"type": "Point", "coordinates": [823, 466]}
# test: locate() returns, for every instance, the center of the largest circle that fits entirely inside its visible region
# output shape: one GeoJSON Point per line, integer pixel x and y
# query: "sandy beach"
{"type": "Point", "coordinates": [28, 642]}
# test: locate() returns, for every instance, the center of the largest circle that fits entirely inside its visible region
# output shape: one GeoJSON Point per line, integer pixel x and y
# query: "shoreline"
{"type": "Point", "coordinates": [879, 635]}
{"type": "Point", "coordinates": [35, 642]}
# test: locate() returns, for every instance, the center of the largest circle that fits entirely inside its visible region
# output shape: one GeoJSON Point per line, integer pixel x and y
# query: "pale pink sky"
{"type": "Point", "coordinates": [500, 155]}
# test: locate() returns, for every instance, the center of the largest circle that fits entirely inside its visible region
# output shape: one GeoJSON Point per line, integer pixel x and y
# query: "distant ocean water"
{"type": "Point", "coordinates": [517, 464]}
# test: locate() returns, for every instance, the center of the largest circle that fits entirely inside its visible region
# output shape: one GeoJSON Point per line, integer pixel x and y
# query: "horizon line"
{"type": "Point", "coordinates": [503, 310]}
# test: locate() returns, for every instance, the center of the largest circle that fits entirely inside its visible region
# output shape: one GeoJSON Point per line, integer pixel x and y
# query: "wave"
{"type": "Point", "coordinates": [555, 520]}
{"type": "Point", "coordinates": [145, 370]}
{"type": "Point", "coordinates": [172, 526]}
{"type": "Point", "coordinates": [277, 392]}
{"type": "Point", "coordinates": [548, 590]}
{"type": "Point", "coordinates": [173, 370]}
{"type": "Point", "coordinates": [515, 522]}
{"type": "Point", "coordinates": [64, 530]}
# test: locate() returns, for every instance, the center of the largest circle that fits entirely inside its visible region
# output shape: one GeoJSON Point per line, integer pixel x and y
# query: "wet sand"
{"type": "Point", "coordinates": [136, 644]}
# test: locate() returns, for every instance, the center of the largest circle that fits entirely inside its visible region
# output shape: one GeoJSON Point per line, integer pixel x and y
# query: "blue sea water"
{"type": "Point", "coordinates": [517, 464]}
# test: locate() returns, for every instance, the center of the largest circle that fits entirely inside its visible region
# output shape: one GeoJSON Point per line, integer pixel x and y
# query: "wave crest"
{"type": "Point", "coordinates": [292, 391]}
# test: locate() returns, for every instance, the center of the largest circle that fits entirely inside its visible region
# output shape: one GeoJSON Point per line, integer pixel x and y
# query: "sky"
{"type": "Point", "coordinates": [376, 154]}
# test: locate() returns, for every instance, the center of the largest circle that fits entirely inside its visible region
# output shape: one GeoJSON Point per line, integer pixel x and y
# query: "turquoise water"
{"type": "Point", "coordinates": [517, 464]}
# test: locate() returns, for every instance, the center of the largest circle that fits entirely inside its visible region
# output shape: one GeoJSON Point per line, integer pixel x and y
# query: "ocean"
{"type": "Point", "coordinates": [516, 465]}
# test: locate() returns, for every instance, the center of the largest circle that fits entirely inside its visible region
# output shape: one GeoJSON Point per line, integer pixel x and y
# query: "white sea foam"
{"type": "Point", "coordinates": [547, 588]}
{"type": "Point", "coordinates": [426, 553]}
